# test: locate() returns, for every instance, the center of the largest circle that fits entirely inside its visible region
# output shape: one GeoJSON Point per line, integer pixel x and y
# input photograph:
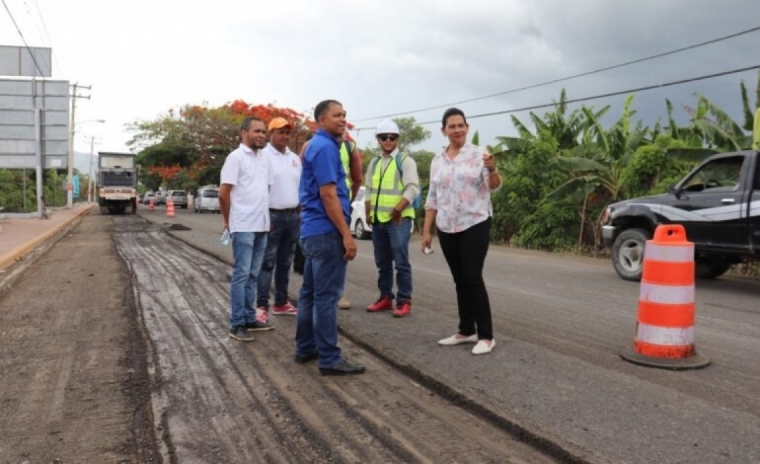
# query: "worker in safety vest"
{"type": "Point", "coordinates": [391, 186]}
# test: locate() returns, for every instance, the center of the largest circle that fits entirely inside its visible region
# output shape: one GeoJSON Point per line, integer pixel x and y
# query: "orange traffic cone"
{"type": "Point", "coordinates": [151, 205]}
{"type": "Point", "coordinates": [169, 208]}
{"type": "Point", "coordinates": [665, 322]}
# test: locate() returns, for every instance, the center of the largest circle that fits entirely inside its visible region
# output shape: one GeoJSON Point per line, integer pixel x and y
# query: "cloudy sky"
{"type": "Point", "coordinates": [143, 58]}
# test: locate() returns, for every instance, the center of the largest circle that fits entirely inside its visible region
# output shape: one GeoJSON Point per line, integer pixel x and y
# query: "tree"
{"type": "Point", "coordinates": [411, 133]}
{"type": "Point", "coordinates": [195, 140]}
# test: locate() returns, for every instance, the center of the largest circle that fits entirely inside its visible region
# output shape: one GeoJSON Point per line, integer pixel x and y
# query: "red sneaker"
{"type": "Point", "coordinates": [403, 309]}
{"type": "Point", "coordinates": [287, 308]}
{"type": "Point", "coordinates": [383, 304]}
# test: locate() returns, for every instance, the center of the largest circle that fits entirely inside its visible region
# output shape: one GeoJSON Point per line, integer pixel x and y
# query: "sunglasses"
{"type": "Point", "coordinates": [386, 137]}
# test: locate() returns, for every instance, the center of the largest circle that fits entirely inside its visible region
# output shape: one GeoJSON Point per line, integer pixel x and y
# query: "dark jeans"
{"type": "Point", "coordinates": [465, 252]}
{"type": "Point", "coordinates": [323, 279]}
{"type": "Point", "coordinates": [391, 244]}
{"type": "Point", "coordinates": [281, 246]}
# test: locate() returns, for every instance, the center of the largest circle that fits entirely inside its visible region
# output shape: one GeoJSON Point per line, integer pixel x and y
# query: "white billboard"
{"type": "Point", "coordinates": [22, 103]}
{"type": "Point", "coordinates": [22, 61]}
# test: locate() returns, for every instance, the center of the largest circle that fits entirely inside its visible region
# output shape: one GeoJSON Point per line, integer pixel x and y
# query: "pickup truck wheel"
{"type": "Point", "coordinates": [628, 253]}
{"type": "Point", "coordinates": [710, 269]}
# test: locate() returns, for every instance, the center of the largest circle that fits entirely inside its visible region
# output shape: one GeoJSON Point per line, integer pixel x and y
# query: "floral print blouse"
{"type": "Point", "coordinates": [459, 190]}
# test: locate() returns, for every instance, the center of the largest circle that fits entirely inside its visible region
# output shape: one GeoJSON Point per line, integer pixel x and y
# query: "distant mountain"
{"type": "Point", "coordinates": [82, 162]}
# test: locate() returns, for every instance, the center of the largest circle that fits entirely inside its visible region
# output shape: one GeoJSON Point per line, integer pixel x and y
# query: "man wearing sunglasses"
{"type": "Point", "coordinates": [392, 184]}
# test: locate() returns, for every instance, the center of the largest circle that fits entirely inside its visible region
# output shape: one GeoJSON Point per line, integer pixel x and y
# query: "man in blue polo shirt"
{"type": "Point", "coordinates": [326, 242]}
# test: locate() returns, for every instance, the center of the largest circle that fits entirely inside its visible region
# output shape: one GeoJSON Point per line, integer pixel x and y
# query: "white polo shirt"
{"type": "Point", "coordinates": [250, 174]}
{"type": "Point", "coordinates": [286, 169]}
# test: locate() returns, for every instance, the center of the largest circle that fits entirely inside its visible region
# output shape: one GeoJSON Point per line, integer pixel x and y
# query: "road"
{"type": "Point", "coordinates": [556, 375]}
{"type": "Point", "coordinates": [222, 401]}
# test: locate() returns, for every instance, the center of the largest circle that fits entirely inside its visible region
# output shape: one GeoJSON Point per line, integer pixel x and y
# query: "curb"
{"type": "Point", "coordinates": [13, 264]}
{"type": "Point", "coordinates": [17, 254]}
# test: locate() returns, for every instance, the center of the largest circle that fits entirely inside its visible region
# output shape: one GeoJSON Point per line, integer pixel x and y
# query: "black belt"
{"type": "Point", "coordinates": [284, 211]}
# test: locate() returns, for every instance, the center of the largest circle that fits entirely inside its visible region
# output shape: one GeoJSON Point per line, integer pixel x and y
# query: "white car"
{"type": "Point", "coordinates": [207, 199]}
{"type": "Point", "coordinates": [360, 227]}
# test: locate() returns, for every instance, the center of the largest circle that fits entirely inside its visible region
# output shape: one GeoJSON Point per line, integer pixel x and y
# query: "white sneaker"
{"type": "Point", "coordinates": [483, 347]}
{"type": "Point", "coordinates": [344, 303]}
{"type": "Point", "coordinates": [453, 340]}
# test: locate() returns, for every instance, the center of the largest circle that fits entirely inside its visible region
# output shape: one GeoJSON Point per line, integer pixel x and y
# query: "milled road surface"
{"type": "Point", "coordinates": [220, 400]}
{"type": "Point", "coordinates": [74, 385]}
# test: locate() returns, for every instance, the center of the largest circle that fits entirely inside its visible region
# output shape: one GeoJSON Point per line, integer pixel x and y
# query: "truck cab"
{"type": "Point", "coordinates": [718, 203]}
{"type": "Point", "coordinates": [117, 183]}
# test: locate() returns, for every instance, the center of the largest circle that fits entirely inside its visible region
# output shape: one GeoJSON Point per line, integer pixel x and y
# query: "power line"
{"type": "Point", "coordinates": [50, 42]}
{"type": "Point", "coordinates": [562, 79]}
{"type": "Point", "coordinates": [13, 20]}
{"type": "Point", "coordinates": [596, 97]}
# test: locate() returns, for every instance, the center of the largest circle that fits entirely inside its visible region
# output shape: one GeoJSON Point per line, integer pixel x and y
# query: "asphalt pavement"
{"type": "Point", "coordinates": [555, 376]}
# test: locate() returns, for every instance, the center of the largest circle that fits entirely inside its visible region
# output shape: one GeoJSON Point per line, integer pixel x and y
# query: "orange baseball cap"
{"type": "Point", "coordinates": [279, 123]}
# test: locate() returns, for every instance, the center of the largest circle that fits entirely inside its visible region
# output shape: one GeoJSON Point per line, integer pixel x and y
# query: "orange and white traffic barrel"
{"type": "Point", "coordinates": [169, 208]}
{"type": "Point", "coordinates": [665, 324]}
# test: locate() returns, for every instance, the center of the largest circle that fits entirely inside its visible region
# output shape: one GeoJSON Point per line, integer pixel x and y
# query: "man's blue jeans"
{"type": "Point", "coordinates": [391, 243]}
{"type": "Point", "coordinates": [281, 247]}
{"type": "Point", "coordinates": [248, 252]}
{"type": "Point", "coordinates": [324, 276]}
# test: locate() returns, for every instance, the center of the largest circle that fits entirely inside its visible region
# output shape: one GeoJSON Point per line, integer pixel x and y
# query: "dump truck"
{"type": "Point", "coordinates": [117, 183]}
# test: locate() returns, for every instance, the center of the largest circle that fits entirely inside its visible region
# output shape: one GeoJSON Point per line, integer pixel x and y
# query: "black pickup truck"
{"type": "Point", "coordinates": [719, 205]}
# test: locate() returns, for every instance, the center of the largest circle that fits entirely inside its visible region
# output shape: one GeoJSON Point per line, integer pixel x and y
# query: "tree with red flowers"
{"type": "Point", "coordinates": [196, 139]}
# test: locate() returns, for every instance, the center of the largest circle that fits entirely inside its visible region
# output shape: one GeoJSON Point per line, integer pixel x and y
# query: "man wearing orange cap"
{"type": "Point", "coordinates": [283, 213]}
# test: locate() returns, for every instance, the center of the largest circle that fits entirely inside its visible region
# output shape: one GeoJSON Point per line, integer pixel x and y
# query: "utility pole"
{"type": "Point", "coordinates": [70, 178]}
{"type": "Point", "coordinates": [91, 176]}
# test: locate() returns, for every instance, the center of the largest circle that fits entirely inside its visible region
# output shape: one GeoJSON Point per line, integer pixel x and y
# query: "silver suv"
{"type": "Point", "coordinates": [178, 197]}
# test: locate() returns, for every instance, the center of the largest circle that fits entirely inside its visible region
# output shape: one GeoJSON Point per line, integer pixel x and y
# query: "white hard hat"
{"type": "Point", "coordinates": [387, 127]}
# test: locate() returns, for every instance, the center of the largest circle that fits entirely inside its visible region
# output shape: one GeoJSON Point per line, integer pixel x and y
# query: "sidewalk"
{"type": "Point", "coordinates": [19, 236]}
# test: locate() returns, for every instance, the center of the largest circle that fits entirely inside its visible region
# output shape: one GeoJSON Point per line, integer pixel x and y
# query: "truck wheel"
{"type": "Point", "coordinates": [710, 268]}
{"type": "Point", "coordinates": [628, 253]}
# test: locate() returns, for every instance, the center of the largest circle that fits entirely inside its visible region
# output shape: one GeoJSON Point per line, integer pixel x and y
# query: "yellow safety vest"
{"type": "Point", "coordinates": [387, 190]}
{"type": "Point", "coordinates": [345, 160]}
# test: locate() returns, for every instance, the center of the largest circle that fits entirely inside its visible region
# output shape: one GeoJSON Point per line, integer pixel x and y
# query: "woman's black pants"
{"type": "Point", "coordinates": [465, 252]}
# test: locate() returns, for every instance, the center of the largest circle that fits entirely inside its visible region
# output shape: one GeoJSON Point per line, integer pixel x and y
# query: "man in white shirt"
{"type": "Point", "coordinates": [244, 199]}
{"type": "Point", "coordinates": [283, 212]}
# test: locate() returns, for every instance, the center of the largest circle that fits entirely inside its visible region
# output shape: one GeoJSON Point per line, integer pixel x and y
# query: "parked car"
{"type": "Point", "coordinates": [179, 197]}
{"type": "Point", "coordinates": [147, 197]}
{"type": "Point", "coordinates": [159, 198]}
{"type": "Point", "coordinates": [717, 205]}
{"type": "Point", "coordinates": [360, 227]}
{"type": "Point", "coordinates": [207, 199]}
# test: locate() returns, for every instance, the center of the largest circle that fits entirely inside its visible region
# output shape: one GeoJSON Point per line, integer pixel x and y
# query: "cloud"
{"type": "Point", "coordinates": [378, 57]}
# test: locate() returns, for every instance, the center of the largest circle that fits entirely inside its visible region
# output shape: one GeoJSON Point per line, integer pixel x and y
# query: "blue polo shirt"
{"type": "Point", "coordinates": [321, 166]}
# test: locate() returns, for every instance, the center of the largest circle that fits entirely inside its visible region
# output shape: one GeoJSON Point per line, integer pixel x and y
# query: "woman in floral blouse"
{"type": "Point", "coordinates": [459, 203]}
